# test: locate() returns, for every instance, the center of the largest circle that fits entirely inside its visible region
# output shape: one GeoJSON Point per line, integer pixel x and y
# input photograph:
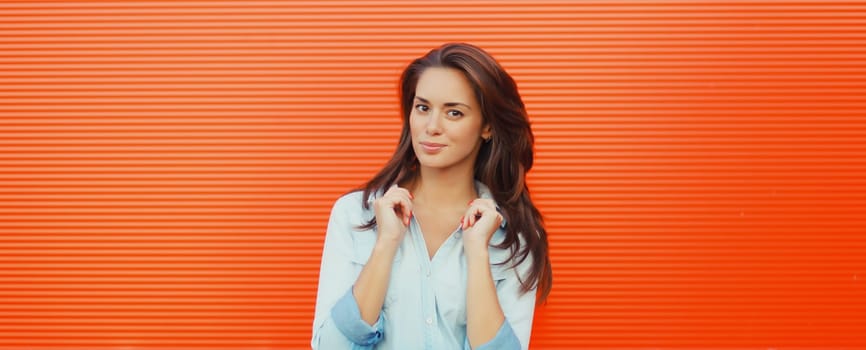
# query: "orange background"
{"type": "Point", "coordinates": [166, 167]}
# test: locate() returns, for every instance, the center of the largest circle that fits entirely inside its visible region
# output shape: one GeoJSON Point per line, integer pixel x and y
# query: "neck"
{"type": "Point", "coordinates": [450, 187]}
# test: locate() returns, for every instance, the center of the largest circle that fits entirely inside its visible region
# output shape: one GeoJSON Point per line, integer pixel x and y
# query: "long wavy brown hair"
{"type": "Point", "coordinates": [502, 162]}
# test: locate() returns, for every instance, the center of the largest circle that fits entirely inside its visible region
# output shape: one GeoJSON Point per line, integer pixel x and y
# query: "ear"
{"type": "Point", "coordinates": [486, 132]}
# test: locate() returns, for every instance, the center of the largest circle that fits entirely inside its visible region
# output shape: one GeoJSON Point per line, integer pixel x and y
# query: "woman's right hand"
{"type": "Point", "coordinates": [393, 211]}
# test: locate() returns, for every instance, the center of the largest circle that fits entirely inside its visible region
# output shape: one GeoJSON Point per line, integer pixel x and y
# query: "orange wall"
{"type": "Point", "coordinates": [166, 167]}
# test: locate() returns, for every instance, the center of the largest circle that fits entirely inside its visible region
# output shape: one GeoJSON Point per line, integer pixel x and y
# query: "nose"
{"type": "Point", "coordinates": [434, 124]}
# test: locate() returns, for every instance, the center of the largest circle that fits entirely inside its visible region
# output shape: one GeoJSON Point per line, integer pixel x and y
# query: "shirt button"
{"type": "Point", "coordinates": [428, 273]}
{"type": "Point", "coordinates": [429, 320]}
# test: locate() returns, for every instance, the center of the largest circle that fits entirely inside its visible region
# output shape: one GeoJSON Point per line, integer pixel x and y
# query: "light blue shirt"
{"type": "Point", "coordinates": [425, 304]}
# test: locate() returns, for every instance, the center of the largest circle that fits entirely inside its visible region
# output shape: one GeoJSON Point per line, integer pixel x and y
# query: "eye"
{"type": "Point", "coordinates": [421, 108]}
{"type": "Point", "coordinates": [455, 113]}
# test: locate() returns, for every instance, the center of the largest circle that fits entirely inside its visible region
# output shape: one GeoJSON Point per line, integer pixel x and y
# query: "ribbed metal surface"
{"type": "Point", "coordinates": [166, 167]}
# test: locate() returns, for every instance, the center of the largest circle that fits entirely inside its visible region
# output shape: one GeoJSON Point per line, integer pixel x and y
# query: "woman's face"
{"type": "Point", "coordinates": [445, 122]}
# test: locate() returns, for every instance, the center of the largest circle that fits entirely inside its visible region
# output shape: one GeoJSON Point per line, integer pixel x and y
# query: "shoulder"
{"type": "Point", "coordinates": [349, 201]}
{"type": "Point", "coordinates": [502, 259]}
{"type": "Point", "coordinates": [348, 215]}
{"type": "Point", "coordinates": [355, 200]}
{"type": "Point", "coordinates": [349, 208]}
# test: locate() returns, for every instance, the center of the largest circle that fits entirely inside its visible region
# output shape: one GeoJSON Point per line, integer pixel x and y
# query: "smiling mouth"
{"type": "Point", "coordinates": [432, 147]}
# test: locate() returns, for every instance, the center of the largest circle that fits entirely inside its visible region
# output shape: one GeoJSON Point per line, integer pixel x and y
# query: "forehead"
{"type": "Point", "coordinates": [441, 85]}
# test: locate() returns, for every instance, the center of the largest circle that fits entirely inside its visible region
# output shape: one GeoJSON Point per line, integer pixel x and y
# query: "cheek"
{"type": "Point", "coordinates": [414, 125]}
{"type": "Point", "coordinates": [469, 133]}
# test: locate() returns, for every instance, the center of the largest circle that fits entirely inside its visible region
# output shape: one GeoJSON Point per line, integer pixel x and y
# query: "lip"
{"type": "Point", "coordinates": [431, 147]}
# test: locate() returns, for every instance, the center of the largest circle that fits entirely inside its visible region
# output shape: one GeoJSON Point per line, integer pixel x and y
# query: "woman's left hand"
{"type": "Point", "coordinates": [479, 223]}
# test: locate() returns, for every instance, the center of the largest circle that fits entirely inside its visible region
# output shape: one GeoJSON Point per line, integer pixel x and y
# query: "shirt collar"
{"type": "Point", "coordinates": [484, 192]}
{"type": "Point", "coordinates": [480, 188]}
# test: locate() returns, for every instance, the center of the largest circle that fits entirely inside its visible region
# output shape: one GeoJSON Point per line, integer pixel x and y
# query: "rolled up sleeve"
{"type": "Point", "coordinates": [347, 318]}
{"type": "Point", "coordinates": [505, 339]}
{"type": "Point", "coordinates": [337, 323]}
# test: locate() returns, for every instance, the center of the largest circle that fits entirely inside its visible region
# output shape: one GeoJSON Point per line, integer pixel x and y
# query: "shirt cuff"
{"type": "Point", "coordinates": [505, 339]}
{"type": "Point", "coordinates": [347, 318]}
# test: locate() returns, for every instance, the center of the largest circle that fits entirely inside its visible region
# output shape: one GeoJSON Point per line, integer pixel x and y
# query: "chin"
{"type": "Point", "coordinates": [434, 162]}
{"type": "Point", "coordinates": [431, 163]}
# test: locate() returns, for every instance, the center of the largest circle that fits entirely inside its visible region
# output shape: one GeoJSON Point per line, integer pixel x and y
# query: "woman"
{"type": "Point", "coordinates": [443, 248]}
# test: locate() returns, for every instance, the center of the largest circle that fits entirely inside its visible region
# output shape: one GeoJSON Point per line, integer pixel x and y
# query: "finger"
{"type": "Point", "coordinates": [388, 197]}
{"type": "Point", "coordinates": [394, 202]}
{"type": "Point", "coordinates": [467, 219]}
{"type": "Point", "coordinates": [398, 193]}
{"type": "Point", "coordinates": [479, 209]}
{"type": "Point", "coordinates": [403, 191]}
{"type": "Point", "coordinates": [390, 190]}
{"type": "Point", "coordinates": [485, 203]}
{"type": "Point", "coordinates": [406, 209]}
{"type": "Point", "coordinates": [396, 189]}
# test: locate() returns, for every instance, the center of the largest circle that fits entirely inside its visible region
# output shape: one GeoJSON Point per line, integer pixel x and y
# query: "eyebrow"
{"type": "Point", "coordinates": [447, 104]}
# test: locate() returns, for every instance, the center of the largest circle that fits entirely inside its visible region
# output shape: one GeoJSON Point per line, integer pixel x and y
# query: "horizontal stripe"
{"type": "Point", "coordinates": [167, 167]}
